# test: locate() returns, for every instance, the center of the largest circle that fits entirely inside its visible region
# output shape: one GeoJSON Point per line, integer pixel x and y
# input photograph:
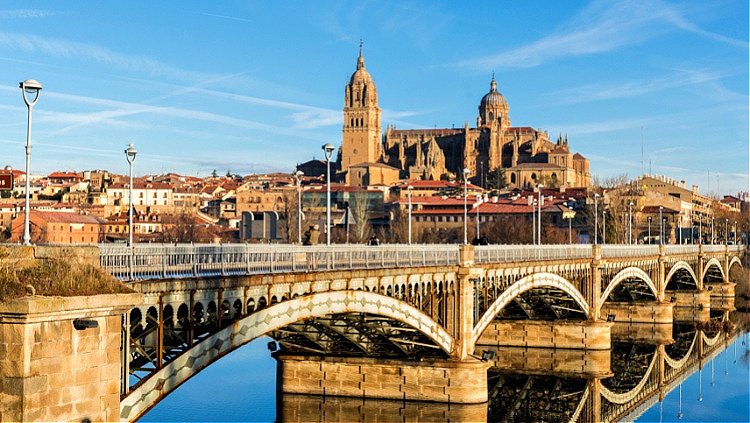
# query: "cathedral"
{"type": "Point", "coordinates": [527, 155]}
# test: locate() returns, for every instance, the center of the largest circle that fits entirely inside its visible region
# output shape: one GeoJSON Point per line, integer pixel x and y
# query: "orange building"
{"type": "Point", "coordinates": [59, 228]}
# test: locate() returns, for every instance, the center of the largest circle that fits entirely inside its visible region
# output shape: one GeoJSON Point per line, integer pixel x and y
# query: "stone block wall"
{"type": "Point", "coordinates": [463, 382]}
{"type": "Point", "coordinates": [51, 371]}
{"type": "Point", "coordinates": [642, 312]}
{"type": "Point", "coordinates": [584, 335]}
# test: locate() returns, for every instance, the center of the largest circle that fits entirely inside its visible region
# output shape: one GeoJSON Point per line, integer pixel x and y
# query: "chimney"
{"type": "Point", "coordinates": [682, 184]}
{"type": "Point", "coordinates": [695, 189]}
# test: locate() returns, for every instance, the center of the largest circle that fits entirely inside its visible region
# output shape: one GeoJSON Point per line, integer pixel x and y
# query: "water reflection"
{"type": "Point", "coordinates": [645, 365]}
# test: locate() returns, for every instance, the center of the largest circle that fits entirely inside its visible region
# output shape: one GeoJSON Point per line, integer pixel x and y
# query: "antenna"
{"type": "Point", "coordinates": [641, 149]}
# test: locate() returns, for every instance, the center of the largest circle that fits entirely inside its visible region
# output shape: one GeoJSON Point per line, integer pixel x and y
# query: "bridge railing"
{"type": "Point", "coordinates": [149, 261]}
{"type": "Point", "coordinates": [610, 251]}
{"type": "Point", "coordinates": [504, 253]}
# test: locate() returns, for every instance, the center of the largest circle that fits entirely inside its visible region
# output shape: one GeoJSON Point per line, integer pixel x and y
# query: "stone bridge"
{"type": "Point", "coordinates": [394, 322]}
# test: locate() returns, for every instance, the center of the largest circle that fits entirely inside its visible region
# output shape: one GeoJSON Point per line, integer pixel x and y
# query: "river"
{"type": "Point", "coordinates": [242, 387]}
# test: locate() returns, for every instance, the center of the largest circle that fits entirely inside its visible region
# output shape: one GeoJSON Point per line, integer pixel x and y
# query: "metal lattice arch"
{"type": "Point", "coordinates": [265, 321]}
{"type": "Point", "coordinates": [681, 265]}
{"type": "Point", "coordinates": [536, 280]}
{"type": "Point", "coordinates": [628, 273]}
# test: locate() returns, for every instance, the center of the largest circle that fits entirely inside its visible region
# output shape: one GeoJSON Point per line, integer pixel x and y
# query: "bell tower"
{"type": "Point", "coordinates": [360, 141]}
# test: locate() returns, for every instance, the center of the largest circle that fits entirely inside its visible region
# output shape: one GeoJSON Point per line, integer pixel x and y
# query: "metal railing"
{"type": "Point", "coordinates": [504, 253]}
{"type": "Point", "coordinates": [151, 261]}
{"type": "Point", "coordinates": [163, 261]}
{"type": "Point", "coordinates": [612, 251]}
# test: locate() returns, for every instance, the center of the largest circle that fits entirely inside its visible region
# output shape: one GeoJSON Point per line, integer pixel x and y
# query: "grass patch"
{"type": "Point", "coordinates": [58, 276]}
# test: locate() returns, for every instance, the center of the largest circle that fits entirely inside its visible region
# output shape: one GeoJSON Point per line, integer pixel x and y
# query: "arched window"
{"type": "Point", "coordinates": [533, 176]}
{"type": "Point", "coordinates": [512, 178]}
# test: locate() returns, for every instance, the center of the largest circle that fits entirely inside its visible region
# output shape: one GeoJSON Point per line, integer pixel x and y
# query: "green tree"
{"type": "Point", "coordinates": [214, 174]}
{"type": "Point", "coordinates": [496, 179]}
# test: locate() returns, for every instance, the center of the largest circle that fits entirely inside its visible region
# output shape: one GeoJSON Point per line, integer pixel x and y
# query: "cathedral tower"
{"type": "Point", "coordinates": [361, 133]}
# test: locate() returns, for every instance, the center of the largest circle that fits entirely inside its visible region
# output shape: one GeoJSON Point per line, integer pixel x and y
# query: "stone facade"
{"type": "Point", "coordinates": [51, 371]}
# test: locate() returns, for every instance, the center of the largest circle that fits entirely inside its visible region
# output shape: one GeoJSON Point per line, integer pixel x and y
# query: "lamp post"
{"type": "Point", "coordinates": [30, 87]}
{"type": "Point", "coordinates": [630, 222]}
{"type": "Point", "coordinates": [533, 220]}
{"type": "Point", "coordinates": [649, 229]}
{"type": "Point", "coordinates": [479, 201]}
{"type": "Point", "coordinates": [712, 230]}
{"type": "Point", "coordinates": [726, 231]}
{"type": "Point", "coordinates": [328, 151]}
{"type": "Point", "coordinates": [570, 225]}
{"type": "Point", "coordinates": [596, 219]}
{"type": "Point", "coordinates": [539, 217]}
{"type": "Point", "coordinates": [700, 229]}
{"type": "Point", "coordinates": [298, 176]}
{"type": "Point", "coordinates": [130, 153]}
{"type": "Point", "coordinates": [408, 191]}
{"type": "Point", "coordinates": [735, 232]}
{"type": "Point", "coordinates": [604, 226]}
{"type": "Point", "coordinates": [661, 226]}
{"type": "Point", "coordinates": [466, 182]}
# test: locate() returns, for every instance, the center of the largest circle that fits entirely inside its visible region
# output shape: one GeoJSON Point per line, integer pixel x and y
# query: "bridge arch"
{"type": "Point", "coordinates": [678, 363]}
{"type": "Point", "coordinates": [735, 260]}
{"type": "Point", "coordinates": [678, 266]}
{"type": "Point", "coordinates": [536, 280]}
{"type": "Point", "coordinates": [713, 262]}
{"type": "Point", "coordinates": [626, 397]}
{"type": "Point", "coordinates": [628, 273]}
{"type": "Point", "coordinates": [264, 321]}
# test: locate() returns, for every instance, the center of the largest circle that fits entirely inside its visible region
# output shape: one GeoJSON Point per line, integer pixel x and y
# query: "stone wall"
{"type": "Point", "coordinates": [51, 371]}
{"type": "Point", "coordinates": [584, 335]}
{"type": "Point", "coordinates": [463, 382]}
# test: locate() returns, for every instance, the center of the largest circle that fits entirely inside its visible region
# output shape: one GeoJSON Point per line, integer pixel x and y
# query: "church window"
{"type": "Point", "coordinates": [533, 176]}
{"type": "Point", "coordinates": [512, 178]}
{"type": "Point", "coordinates": [492, 117]}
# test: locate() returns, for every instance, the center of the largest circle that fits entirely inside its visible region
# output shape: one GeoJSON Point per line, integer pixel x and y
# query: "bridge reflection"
{"type": "Point", "coordinates": [541, 385]}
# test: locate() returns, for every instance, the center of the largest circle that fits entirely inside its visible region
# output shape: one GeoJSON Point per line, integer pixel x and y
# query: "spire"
{"type": "Point", "coordinates": [493, 84]}
{"type": "Point", "coordinates": [360, 59]}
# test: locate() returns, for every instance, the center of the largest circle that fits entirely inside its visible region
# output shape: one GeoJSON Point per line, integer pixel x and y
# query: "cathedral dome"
{"type": "Point", "coordinates": [493, 97]}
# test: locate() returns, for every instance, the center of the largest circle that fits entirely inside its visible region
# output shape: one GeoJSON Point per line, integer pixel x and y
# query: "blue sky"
{"type": "Point", "coordinates": [255, 87]}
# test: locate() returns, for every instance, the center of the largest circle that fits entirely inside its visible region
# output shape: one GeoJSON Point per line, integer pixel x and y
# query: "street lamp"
{"type": "Point", "coordinates": [661, 226]}
{"type": "Point", "coordinates": [539, 222]}
{"type": "Point", "coordinates": [604, 226]}
{"type": "Point", "coordinates": [466, 182]}
{"type": "Point", "coordinates": [630, 222]}
{"type": "Point", "coordinates": [700, 229]}
{"type": "Point", "coordinates": [30, 87]}
{"type": "Point", "coordinates": [649, 229]}
{"type": "Point", "coordinates": [298, 176]}
{"type": "Point", "coordinates": [596, 219]}
{"type": "Point", "coordinates": [130, 153]}
{"type": "Point", "coordinates": [328, 150]}
{"type": "Point", "coordinates": [735, 232]}
{"type": "Point", "coordinates": [726, 231]}
{"type": "Point", "coordinates": [479, 201]}
{"type": "Point", "coordinates": [712, 230]}
{"type": "Point", "coordinates": [408, 191]}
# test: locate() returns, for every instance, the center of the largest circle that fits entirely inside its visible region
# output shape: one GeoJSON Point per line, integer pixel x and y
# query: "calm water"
{"type": "Point", "coordinates": [242, 387]}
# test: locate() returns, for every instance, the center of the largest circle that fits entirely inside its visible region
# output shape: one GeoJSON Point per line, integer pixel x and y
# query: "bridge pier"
{"type": "Point", "coordinates": [639, 312]}
{"type": "Point", "coordinates": [558, 334]}
{"type": "Point", "coordinates": [435, 380]}
{"type": "Point", "coordinates": [60, 357]}
{"type": "Point", "coordinates": [547, 361]}
{"type": "Point", "coordinates": [722, 295]}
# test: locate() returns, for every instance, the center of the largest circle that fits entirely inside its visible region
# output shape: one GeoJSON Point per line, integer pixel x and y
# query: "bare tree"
{"type": "Point", "coordinates": [359, 208]}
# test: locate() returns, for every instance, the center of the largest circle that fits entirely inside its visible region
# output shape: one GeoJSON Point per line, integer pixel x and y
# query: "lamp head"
{"type": "Point", "coordinates": [30, 87]}
{"type": "Point", "coordinates": [299, 174]}
{"type": "Point", "coordinates": [328, 150]}
{"type": "Point", "coordinates": [410, 187]}
{"type": "Point", "coordinates": [130, 153]}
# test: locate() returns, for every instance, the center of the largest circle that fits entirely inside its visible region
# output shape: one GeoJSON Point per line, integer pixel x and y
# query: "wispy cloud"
{"type": "Point", "coordinates": [27, 13]}
{"type": "Point", "coordinates": [608, 91]}
{"type": "Point", "coordinates": [601, 27]}
{"type": "Point", "coordinates": [232, 18]}
{"type": "Point", "coordinates": [92, 53]}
